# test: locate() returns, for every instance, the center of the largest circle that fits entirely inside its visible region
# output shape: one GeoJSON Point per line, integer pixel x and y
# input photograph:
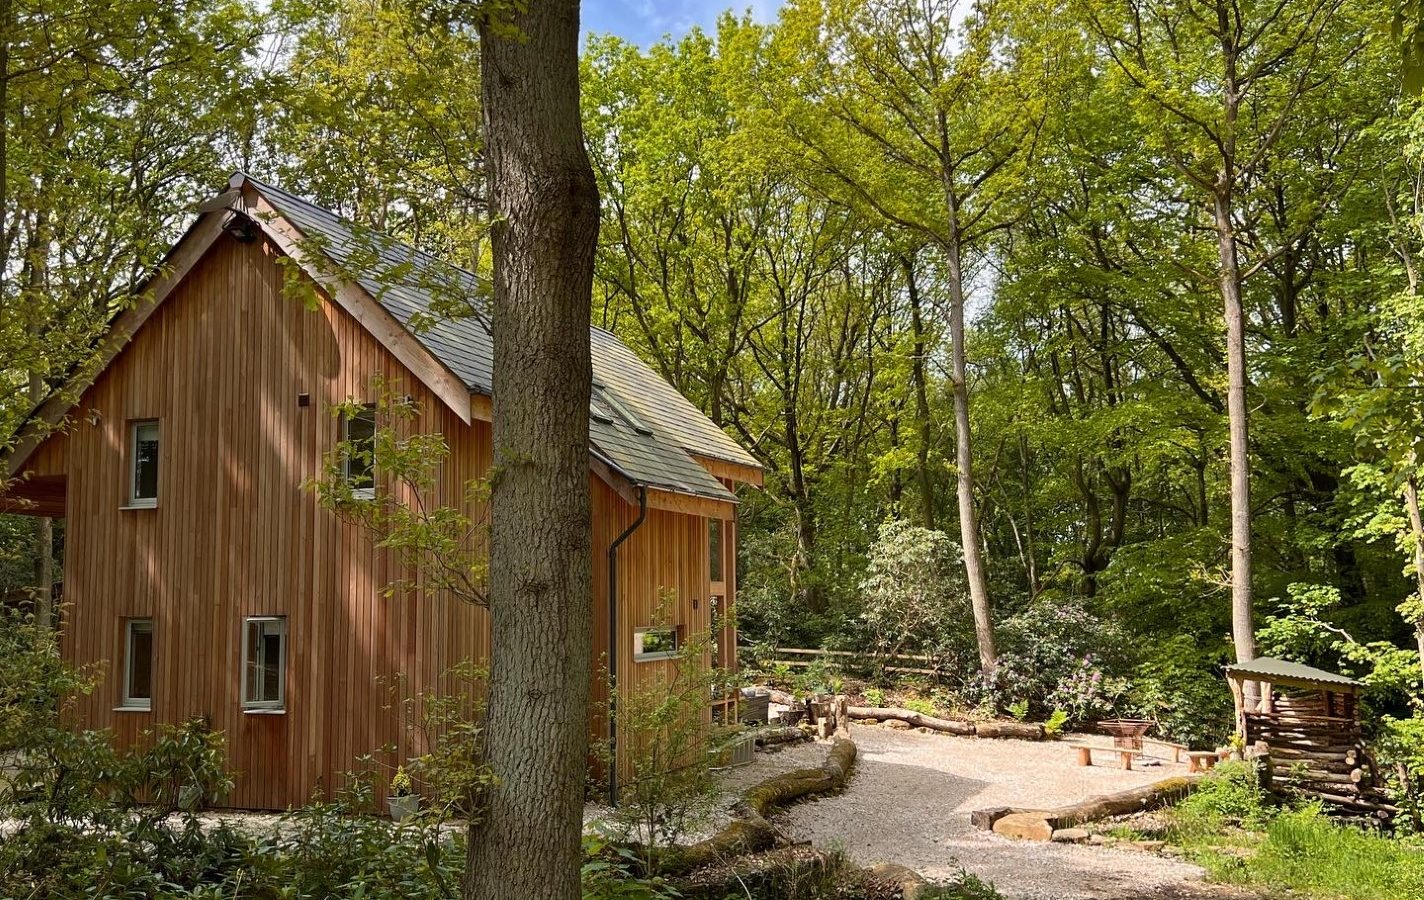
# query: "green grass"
{"type": "Point", "coordinates": [1228, 827]}
{"type": "Point", "coordinates": [1305, 852]}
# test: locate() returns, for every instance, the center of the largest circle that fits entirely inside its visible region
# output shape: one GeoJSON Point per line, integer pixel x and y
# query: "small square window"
{"type": "Point", "coordinates": [655, 643]}
{"type": "Point", "coordinates": [143, 459]}
{"type": "Point", "coordinates": [264, 653]}
{"type": "Point", "coordinates": [358, 466]}
{"type": "Point", "coordinates": [138, 664]}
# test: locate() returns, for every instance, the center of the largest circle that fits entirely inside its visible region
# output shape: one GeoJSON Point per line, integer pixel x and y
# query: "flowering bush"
{"type": "Point", "coordinates": [1052, 660]}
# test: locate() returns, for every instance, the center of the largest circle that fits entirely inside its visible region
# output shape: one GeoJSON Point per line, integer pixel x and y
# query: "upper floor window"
{"type": "Point", "coordinates": [358, 431]}
{"type": "Point", "coordinates": [264, 654]}
{"type": "Point", "coordinates": [138, 664]}
{"type": "Point", "coordinates": [143, 463]}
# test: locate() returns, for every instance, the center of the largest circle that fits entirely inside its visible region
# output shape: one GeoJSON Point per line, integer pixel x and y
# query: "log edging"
{"type": "Point", "coordinates": [1039, 824]}
{"type": "Point", "coordinates": [749, 831]}
{"type": "Point", "coordinates": [1026, 731]}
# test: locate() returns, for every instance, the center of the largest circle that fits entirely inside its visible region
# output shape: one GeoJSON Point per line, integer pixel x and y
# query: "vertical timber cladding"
{"type": "Point", "coordinates": [221, 365]}
{"type": "Point", "coordinates": [662, 580]}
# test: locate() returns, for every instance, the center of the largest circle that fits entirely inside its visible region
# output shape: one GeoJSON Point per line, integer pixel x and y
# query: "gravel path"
{"type": "Point", "coordinates": [909, 800]}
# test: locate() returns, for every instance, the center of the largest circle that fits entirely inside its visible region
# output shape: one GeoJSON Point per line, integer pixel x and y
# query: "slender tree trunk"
{"type": "Point", "coordinates": [527, 841]}
{"type": "Point", "coordinates": [6, 30]}
{"type": "Point", "coordinates": [963, 451]}
{"type": "Point", "coordinates": [1243, 629]}
{"type": "Point", "coordinates": [922, 400]}
{"type": "Point", "coordinates": [1035, 585]}
{"type": "Point", "coordinates": [36, 264]}
{"type": "Point", "coordinates": [1242, 622]}
{"type": "Point", "coordinates": [1416, 526]}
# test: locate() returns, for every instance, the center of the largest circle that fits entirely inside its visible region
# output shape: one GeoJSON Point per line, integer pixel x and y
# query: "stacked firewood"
{"type": "Point", "coordinates": [1319, 756]}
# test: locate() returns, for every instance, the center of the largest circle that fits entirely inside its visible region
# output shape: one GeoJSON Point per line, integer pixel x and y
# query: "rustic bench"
{"type": "Point", "coordinates": [1124, 756]}
{"type": "Point", "coordinates": [1200, 760]}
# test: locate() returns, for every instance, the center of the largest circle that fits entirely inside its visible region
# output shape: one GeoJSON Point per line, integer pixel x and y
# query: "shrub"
{"type": "Point", "coordinates": [1231, 794]}
{"type": "Point", "coordinates": [1051, 660]}
{"type": "Point", "coordinates": [920, 705]}
{"type": "Point", "coordinates": [874, 696]}
{"type": "Point", "coordinates": [672, 790]}
{"type": "Point", "coordinates": [913, 594]}
{"type": "Point", "coordinates": [1400, 745]}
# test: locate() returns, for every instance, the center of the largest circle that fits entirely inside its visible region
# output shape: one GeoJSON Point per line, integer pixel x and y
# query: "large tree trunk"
{"type": "Point", "coordinates": [526, 842]}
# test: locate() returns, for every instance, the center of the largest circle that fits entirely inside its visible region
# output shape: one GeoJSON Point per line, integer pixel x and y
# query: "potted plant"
{"type": "Point", "coordinates": [403, 802]}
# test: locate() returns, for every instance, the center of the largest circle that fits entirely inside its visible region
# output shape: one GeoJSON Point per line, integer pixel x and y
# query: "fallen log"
{"type": "Point", "coordinates": [778, 734]}
{"type": "Point", "coordinates": [749, 831]}
{"type": "Point", "coordinates": [1026, 731]}
{"type": "Point", "coordinates": [760, 872]}
{"type": "Point", "coordinates": [912, 718]}
{"type": "Point", "coordinates": [1040, 824]}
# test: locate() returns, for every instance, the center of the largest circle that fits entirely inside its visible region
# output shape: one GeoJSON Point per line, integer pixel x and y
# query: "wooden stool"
{"type": "Point", "coordinates": [1200, 760]}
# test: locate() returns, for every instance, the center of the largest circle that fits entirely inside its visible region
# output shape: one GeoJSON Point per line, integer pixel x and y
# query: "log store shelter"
{"type": "Point", "coordinates": [1307, 728]}
{"type": "Point", "coordinates": [208, 582]}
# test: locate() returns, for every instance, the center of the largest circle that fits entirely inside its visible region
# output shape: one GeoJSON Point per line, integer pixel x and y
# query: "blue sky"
{"type": "Point", "coordinates": [644, 21]}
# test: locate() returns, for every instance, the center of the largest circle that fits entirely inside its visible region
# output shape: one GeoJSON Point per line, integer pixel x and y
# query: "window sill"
{"type": "Point", "coordinates": [655, 657]}
{"type": "Point", "coordinates": [264, 712]}
{"type": "Point", "coordinates": [132, 506]}
{"type": "Point", "coordinates": [142, 709]}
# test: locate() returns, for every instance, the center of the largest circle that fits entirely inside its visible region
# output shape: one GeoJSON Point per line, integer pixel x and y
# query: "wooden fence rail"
{"type": "Point", "coordinates": [800, 657]}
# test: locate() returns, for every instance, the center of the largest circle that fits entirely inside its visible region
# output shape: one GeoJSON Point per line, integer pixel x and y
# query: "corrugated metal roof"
{"type": "Point", "coordinates": [419, 289]}
{"type": "Point", "coordinates": [1281, 671]}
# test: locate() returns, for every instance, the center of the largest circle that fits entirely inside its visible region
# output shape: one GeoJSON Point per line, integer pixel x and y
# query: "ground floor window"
{"type": "Point", "coordinates": [264, 654]}
{"type": "Point", "coordinates": [655, 643]}
{"type": "Point", "coordinates": [138, 664]}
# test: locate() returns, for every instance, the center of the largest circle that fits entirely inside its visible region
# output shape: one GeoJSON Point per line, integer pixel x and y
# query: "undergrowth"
{"type": "Point", "coordinates": [1232, 828]}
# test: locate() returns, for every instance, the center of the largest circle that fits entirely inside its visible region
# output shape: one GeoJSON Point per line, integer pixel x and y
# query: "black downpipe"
{"type": "Point", "coordinates": [613, 644]}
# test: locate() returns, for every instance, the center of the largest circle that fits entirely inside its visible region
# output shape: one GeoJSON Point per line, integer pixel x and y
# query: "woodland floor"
{"type": "Point", "coordinates": [909, 800]}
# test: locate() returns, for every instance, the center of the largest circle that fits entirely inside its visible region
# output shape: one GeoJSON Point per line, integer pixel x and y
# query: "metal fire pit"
{"type": "Point", "coordinates": [1126, 733]}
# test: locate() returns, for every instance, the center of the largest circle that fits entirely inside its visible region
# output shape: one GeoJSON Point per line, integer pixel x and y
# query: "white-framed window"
{"type": "Point", "coordinates": [138, 664]}
{"type": "Point", "coordinates": [264, 655]}
{"type": "Point", "coordinates": [143, 463]}
{"type": "Point", "coordinates": [358, 432]}
{"type": "Point", "coordinates": [662, 642]}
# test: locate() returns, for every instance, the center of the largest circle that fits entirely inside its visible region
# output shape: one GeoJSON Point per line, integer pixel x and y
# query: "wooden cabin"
{"type": "Point", "coordinates": [208, 581]}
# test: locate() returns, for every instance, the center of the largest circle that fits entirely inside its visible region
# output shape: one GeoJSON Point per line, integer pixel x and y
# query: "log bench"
{"type": "Point", "coordinates": [1200, 760]}
{"type": "Point", "coordinates": [1124, 756]}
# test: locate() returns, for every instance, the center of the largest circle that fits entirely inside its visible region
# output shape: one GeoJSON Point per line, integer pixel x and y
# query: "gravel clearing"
{"type": "Point", "coordinates": [909, 799]}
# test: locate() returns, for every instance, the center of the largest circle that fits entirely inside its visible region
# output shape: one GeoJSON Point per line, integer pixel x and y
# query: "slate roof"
{"type": "Point", "coordinates": [648, 439]}
{"type": "Point", "coordinates": [1281, 671]}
